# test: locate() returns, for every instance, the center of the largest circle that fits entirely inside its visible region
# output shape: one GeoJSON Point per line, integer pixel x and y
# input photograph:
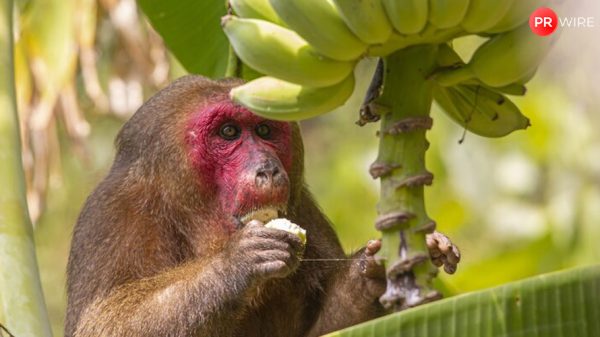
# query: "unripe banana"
{"type": "Point", "coordinates": [484, 14]}
{"type": "Point", "coordinates": [279, 100]}
{"type": "Point", "coordinates": [366, 19]}
{"type": "Point", "coordinates": [279, 52]}
{"type": "Point", "coordinates": [448, 57]}
{"type": "Point", "coordinates": [319, 23]}
{"type": "Point", "coordinates": [447, 13]}
{"type": "Point", "coordinates": [514, 89]}
{"type": "Point", "coordinates": [255, 9]}
{"type": "Point", "coordinates": [480, 111]}
{"type": "Point", "coordinates": [503, 60]}
{"type": "Point", "coordinates": [517, 15]}
{"type": "Point", "coordinates": [407, 16]}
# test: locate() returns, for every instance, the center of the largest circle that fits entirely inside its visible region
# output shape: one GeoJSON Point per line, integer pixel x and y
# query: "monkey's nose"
{"type": "Point", "coordinates": [269, 175]}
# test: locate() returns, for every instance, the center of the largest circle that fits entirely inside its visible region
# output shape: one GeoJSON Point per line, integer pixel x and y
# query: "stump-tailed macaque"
{"type": "Point", "coordinates": [163, 246]}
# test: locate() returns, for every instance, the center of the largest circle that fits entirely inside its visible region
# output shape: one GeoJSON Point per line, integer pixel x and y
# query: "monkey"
{"type": "Point", "coordinates": [160, 248]}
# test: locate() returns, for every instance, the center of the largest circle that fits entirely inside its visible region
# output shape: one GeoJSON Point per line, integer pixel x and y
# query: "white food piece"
{"type": "Point", "coordinates": [262, 215]}
{"type": "Point", "coordinates": [288, 226]}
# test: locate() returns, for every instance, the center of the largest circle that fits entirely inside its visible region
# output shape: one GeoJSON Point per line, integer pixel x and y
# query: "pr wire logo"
{"type": "Point", "coordinates": [544, 21]}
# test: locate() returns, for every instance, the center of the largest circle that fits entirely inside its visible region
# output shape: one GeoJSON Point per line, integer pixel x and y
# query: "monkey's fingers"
{"type": "Point", "coordinates": [373, 273]}
{"type": "Point", "coordinates": [260, 231]}
{"type": "Point", "coordinates": [274, 263]}
{"type": "Point", "coordinates": [368, 265]}
{"type": "Point", "coordinates": [443, 252]}
{"type": "Point", "coordinates": [373, 246]}
{"type": "Point", "coordinates": [274, 269]}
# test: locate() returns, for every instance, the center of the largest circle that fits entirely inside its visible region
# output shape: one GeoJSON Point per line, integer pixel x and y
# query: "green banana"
{"type": "Point", "coordinates": [407, 16]}
{"type": "Point", "coordinates": [279, 100]}
{"type": "Point", "coordinates": [447, 13]}
{"type": "Point", "coordinates": [484, 14]}
{"type": "Point", "coordinates": [504, 112]}
{"type": "Point", "coordinates": [514, 89]}
{"type": "Point", "coordinates": [479, 110]}
{"type": "Point", "coordinates": [279, 52]}
{"type": "Point", "coordinates": [366, 19]}
{"type": "Point", "coordinates": [481, 93]}
{"type": "Point", "coordinates": [447, 57]}
{"type": "Point", "coordinates": [507, 58]}
{"type": "Point", "coordinates": [255, 9]}
{"type": "Point", "coordinates": [319, 23]}
{"type": "Point", "coordinates": [516, 16]}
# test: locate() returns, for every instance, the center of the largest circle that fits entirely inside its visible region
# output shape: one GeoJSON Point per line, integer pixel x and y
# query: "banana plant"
{"type": "Point", "coordinates": [22, 306]}
{"type": "Point", "coordinates": [299, 56]}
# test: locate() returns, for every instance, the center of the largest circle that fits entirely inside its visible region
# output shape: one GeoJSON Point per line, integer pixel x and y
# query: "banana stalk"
{"type": "Point", "coordinates": [400, 165]}
{"type": "Point", "coordinates": [22, 307]}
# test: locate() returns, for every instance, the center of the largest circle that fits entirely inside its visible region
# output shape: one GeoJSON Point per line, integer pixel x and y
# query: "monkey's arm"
{"type": "Point", "coordinates": [199, 298]}
{"type": "Point", "coordinates": [166, 305]}
{"type": "Point", "coordinates": [353, 293]}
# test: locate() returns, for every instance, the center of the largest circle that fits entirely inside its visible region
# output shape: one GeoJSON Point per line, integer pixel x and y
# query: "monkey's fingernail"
{"type": "Point", "coordinates": [450, 268]}
{"type": "Point", "coordinates": [453, 258]}
{"type": "Point", "coordinates": [437, 262]}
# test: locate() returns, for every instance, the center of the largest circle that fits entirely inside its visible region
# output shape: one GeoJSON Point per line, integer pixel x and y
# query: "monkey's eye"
{"type": "Point", "coordinates": [263, 131]}
{"type": "Point", "coordinates": [229, 132]}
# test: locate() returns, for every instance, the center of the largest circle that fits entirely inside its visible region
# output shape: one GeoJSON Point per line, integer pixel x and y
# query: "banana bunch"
{"type": "Point", "coordinates": [307, 50]}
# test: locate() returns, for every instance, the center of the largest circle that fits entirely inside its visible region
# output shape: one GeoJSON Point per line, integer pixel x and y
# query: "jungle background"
{"type": "Point", "coordinates": [518, 206]}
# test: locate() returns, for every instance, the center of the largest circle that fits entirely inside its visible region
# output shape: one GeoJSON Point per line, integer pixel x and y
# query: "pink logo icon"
{"type": "Point", "coordinates": [543, 21]}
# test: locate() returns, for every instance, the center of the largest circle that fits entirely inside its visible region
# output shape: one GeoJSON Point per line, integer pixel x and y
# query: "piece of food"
{"type": "Point", "coordinates": [262, 215]}
{"type": "Point", "coordinates": [288, 226]}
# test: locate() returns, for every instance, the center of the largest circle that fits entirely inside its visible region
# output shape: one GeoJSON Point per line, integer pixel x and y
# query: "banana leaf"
{"type": "Point", "coordinates": [565, 303]}
{"type": "Point", "coordinates": [192, 31]}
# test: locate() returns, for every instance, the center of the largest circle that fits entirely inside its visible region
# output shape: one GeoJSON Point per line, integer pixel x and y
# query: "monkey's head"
{"type": "Point", "coordinates": [196, 146]}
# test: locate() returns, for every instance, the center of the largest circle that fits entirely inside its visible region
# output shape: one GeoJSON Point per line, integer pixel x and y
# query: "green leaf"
{"type": "Point", "coordinates": [192, 31]}
{"type": "Point", "coordinates": [565, 303]}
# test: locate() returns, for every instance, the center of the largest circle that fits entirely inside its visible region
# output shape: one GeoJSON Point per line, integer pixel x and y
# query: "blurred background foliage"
{"type": "Point", "coordinates": [518, 206]}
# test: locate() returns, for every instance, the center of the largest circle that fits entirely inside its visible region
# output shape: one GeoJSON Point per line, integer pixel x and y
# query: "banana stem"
{"type": "Point", "coordinates": [403, 221]}
{"type": "Point", "coordinates": [22, 307]}
{"type": "Point", "coordinates": [234, 65]}
{"type": "Point", "coordinates": [453, 77]}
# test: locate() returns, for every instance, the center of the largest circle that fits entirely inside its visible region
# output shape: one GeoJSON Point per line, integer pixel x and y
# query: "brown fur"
{"type": "Point", "coordinates": [150, 256]}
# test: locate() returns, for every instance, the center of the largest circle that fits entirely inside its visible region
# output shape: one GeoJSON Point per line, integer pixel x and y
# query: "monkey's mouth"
{"type": "Point", "coordinates": [264, 214]}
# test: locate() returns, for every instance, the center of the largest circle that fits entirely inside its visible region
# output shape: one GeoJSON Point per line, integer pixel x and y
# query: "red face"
{"type": "Point", "coordinates": [241, 158]}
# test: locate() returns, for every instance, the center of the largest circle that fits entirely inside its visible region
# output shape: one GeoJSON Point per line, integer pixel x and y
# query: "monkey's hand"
{"type": "Point", "coordinates": [267, 253]}
{"type": "Point", "coordinates": [371, 271]}
{"type": "Point", "coordinates": [353, 295]}
{"type": "Point", "coordinates": [443, 252]}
